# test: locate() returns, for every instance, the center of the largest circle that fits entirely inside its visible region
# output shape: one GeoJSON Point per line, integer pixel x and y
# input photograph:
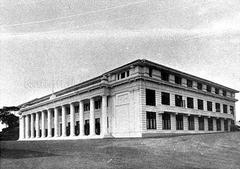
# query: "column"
{"type": "Point", "coordinates": [37, 125]}
{"type": "Point", "coordinates": [43, 124]}
{"type": "Point", "coordinates": [21, 127]}
{"type": "Point", "coordinates": [205, 124]}
{"type": "Point", "coordinates": [104, 116]}
{"type": "Point", "coordinates": [185, 123]}
{"type": "Point", "coordinates": [27, 126]}
{"type": "Point", "coordinates": [56, 122]}
{"type": "Point", "coordinates": [196, 124]}
{"type": "Point", "coordinates": [81, 119]}
{"type": "Point", "coordinates": [49, 123]}
{"type": "Point", "coordinates": [214, 124]}
{"type": "Point", "coordinates": [159, 121]}
{"type": "Point", "coordinates": [229, 125]}
{"type": "Point", "coordinates": [91, 118]}
{"type": "Point", "coordinates": [72, 121]}
{"type": "Point", "coordinates": [173, 122]}
{"type": "Point", "coordinates": [63, 121]}
{"type": "Point", "coordinates": [222, 125]}
{"type": "Point", "coordinates": [32, 125]}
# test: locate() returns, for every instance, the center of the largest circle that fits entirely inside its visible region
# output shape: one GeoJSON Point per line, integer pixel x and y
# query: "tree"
{"type": "Point", "coordinates": [7, 117]}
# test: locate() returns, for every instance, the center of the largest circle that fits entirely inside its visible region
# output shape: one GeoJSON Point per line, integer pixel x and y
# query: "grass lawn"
{"type": "Point", "coordinates": [209, 151]}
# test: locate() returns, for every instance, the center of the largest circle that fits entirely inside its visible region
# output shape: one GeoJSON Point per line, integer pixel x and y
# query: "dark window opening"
{"type": "Point", "coordinates": [225, 125]}
{"type": "Point", "coordinates": [76, 109]}
{"type": "Point", "coordinates": [97, 104]}
{"type": "Point", "coordinates": [86, 106]}
{"type": "Point", "coordinates": [151, 120]}
{"type": "Point", "coordinates": [218, 107]}
{"type": "Point", "coordinates": [216, 91]}
{"type": "Point", "coordinates": [200, 104]}
{"type": "Point", "coordinates": [178, 80]}
{"type": "Point", "coordinates": [201, 123]}
{"type": "Point", "coordinates": [224, 93]}
{"type": "Point", "coordinates": [190, 122]}
{"type": "Point", "coordinates": [209, 88]}
{"type": "Point", "coordinates": [178, 101]}
{"type": "Point", "coordinates": [225, 109]}
{"type": "Point", "coordinates": [190, 103]}
{"type": "Point", "coordinates": [232, 110]}
{"type": "Point", "coordinates": [210, 124]}
{"type": "Point", "coordinates": [67, 110]}
{"type": "Point", "coordinates": [219, 127]}
{"type": "Point", "coordinates": [97, 126]}
{"type": "Point", "coordinates": [209, 106]}
{"type": "Point", "coordinates": [165, 98]}
{"type": "Point", "coordinates": [189, 83]}
{"type": "Point", "coordinates": [150, 72]}
{"type": "Point", "coordinates": [150, 97]}
{"type": "Point", "coordinates": [165, 75]}
{"type": "Point", "coordinates": [86, 127]}
{"type": "Point", "coordinates": [199, 86]}
{"type": "Point", "coordinates": [127, 73]}
{"type": "Point", "coordinates": [166, 121]}
{"type": "Point", "coordinates": [179, 120]}
{"type": "Point", "coordinates": [122, 75]}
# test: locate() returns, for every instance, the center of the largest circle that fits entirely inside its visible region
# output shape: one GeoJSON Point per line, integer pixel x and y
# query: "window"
{"type": "Point", "coordinates": [225, 125]}
{"type": "Point", "coordinates": [209, 88]}
{"type": "Point", "coordinates": [166, 121]}
{"type": "Point", "coordinates": [218, 108]}
{"type": "Point", "coordinates": [232, 110]}
{"type": "Point", "coordinates": [165, 75]}
{"type": "Point", "coordinates": [200, 104]}
{"type": "Point", "coordinates": [199, 86]}
{"type": "Point", "coordinates": [76, 109]}
{"type": "Point", "coordinates": [210, 124]}
{"type": "Point", "coordinates": [216, 91]}
{"type": "Point", "coordinates": [122, 75]}
{"type": "Point", "coordinates": [150, 97]}
{"type": "Point", "coordinates": [225, 109]}
{"type": "Point", "coordinates": [219, 127]}
{"type": "Point", "coordinates": [179, 120]}
{"type": "Point", "coordinates": [86, 106]}
{"type": "Point", "coordinates": [189, 83]}
{"type": "Point", "coordinates": [67, 110]}
{"type": "Point", "coordinates": [201, 123]}
{"type": "Point", "coordinates": [190, 123]}
{"type": "Point", "coordinates": [178, 80]}
{"type": "Point", "coordinates": [150, 72]}
{"type": "Point", "coordinates": [209, 106]}
{"type": "Point", "coordinates": [165, 98]}
{"type": "Point", "coordinates": [97, 104]}
{"type": "Point", "coordinates": [224, 93]}
{"type": "Point", "coordinates": [178, 101]}
{"type": "Point", "coordinates": [151, 120]}
{"type": "Point", "coordinates": [190, 102]}
{"type": "Point", "coordinates": [127, 73]}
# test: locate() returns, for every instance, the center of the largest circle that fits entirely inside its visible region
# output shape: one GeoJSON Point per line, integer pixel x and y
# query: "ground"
{"type": "Point", "coordinates": [208, 151]}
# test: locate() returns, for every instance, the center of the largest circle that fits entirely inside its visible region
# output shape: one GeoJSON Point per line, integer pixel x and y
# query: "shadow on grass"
{"type": "Point", "coordinates": [18, 154]}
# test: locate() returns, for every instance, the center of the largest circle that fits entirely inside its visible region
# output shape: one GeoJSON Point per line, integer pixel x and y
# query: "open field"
{"type": "Point", "coordinates": [210, 151]}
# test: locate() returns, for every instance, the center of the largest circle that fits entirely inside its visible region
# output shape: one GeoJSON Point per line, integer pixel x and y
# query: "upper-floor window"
{"type": "Point", "coordinates": [232, 110]}
{"type": "Point", "coordinates": [199, 86]}
{"type": "Point", "coordinates": [165, 98]}
{"type": "Point", "coordinates": [189, 83]}
{"type": "Point", "coordinates": [122, 75]}
{"type": "Point", "coordinates": [209, 106]}
{"type": "Point", "coordinates": [225, 108]}
{"type": "Point", "coordinates": [97, 104]}
{"type": "Point", "coordinates": [150, 72]}
{"type": "Point", "coordinates": [150, 97]}
{"type": "Point", "coordinates": [200, 104]}
{"type": "Point", "coordinates": [86, 106]}
{"type": "Point", "coordinates": [224, 93]}
{"type": "Point", "coordinates": [190, 102]}
{"type": "Point", "coordinates": [178, 80]}
{"type": "Point", "coordinates": [216, 91]}
{"type": "Point", "coordinates": [218, 107]}
{"type": "Point", "coordinates": [178, 101]}
{"type": "Point", "coordinates": [67, 110]}
{"type": "Point", "coordinates": [76, 109]}
{"type": "Point", "coordinates": [209, 88]}
{"type": "Point", "coordinates": [165, 75]}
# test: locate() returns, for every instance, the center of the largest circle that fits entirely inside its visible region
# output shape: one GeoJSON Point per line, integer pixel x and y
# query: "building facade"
{"type": "Point", "coordinates": [139, 99]}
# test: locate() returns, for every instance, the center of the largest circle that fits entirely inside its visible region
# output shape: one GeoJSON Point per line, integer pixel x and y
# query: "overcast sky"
{"type": "Point", "coordinates": [73, 40]}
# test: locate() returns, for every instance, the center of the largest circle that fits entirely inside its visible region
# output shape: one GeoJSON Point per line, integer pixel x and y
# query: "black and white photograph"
{"type": "Point", "coordinates": [119, 84]}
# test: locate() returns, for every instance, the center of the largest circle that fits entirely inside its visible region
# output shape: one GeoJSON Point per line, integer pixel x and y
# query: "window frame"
{"type": "Point", "coordinates": [190, 106]}
{"type": "Point", "coordinates": [202, 104]}
{"type": "Point", "coordinates": [163, 94]}
{"type": "Point", "coordinates": [151, 123]}
{"type": "Point", "coordinates": [150, 101]}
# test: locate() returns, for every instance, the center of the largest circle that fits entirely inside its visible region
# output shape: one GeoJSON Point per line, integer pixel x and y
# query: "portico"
{"type": "Point", "coordinates": [75, 120]}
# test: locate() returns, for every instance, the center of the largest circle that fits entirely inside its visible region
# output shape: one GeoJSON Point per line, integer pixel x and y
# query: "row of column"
{"type": "Point", "coordinates": [26, 131]}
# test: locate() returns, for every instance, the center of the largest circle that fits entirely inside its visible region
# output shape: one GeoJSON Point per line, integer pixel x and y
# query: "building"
{"type": "Point", "coordinates": [139, 99]}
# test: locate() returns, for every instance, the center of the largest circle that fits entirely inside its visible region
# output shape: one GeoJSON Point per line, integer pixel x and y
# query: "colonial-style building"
{"type": "Point", "coordinates": [138, 99]}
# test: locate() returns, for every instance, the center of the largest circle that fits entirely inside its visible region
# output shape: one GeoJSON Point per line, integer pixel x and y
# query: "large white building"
{"type": "Point", "coordinates": [138, 99]}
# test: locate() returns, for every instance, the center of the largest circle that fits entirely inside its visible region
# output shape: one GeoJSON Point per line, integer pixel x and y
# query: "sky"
{"type": "Point", "coordinates": [65, 42]}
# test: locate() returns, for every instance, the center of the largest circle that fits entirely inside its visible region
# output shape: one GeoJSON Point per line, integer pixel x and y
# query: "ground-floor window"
{"type": "Point", "coordinates": [201, 123]}
{"type": "Point", "coordinates": [86, 127]}
{"type": "Point", "coordinates": [179, 121]}
{"type": "Point", "coordinates": [210, 124]}
{"type": "Point", "coordinates": [190, 122]}
{"type": "Point", "coordinates": [225, 125]}
{"type": "Point", "coordinates": [151, 120]}
{"type": "Point", "coordinates": [219, 127]}
{"type": "Point", "coordinates": [77, 128]}
{"type": "Point", "coordinates": [97, 126]}
{"type": "Point", "coordinates": [166, 121]}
